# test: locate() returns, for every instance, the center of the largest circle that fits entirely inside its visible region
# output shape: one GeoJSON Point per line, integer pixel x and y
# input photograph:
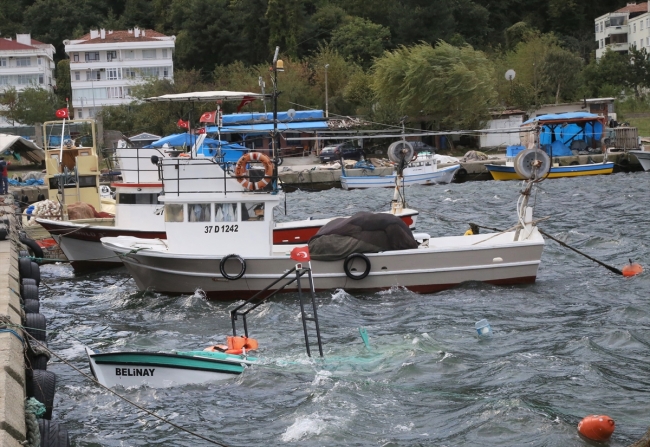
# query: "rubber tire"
{"type": "Point", "coordinates": [29, 292]}
{"type": "Point", "coordinates": [28, 282]}
{"type": "Point", "coordinates": [42, 387]}
{"type": "Point", "coordinates": [223, 270]}
{"type": "Point", "coordinates": [25, 268]}
{"type": "Point", "coordinates": [350, 258]}
{"type": "Point", "coordinates": [31, 243]}
{"type": "Point", "coordinates": [36, 273]}
{"type": "Point", "coordinates": [40, 197]}
{"type": "Point", "coordinates": [53, 434]}
{"type": "Point", "coordinates": [35, 325]}
{"type": "Point", "coordinates": [3, 232]}
{"type": "Point", "coordinates": [32, 306]}
{"type": "Point", "coordinates": [23, 254]}
{"type": "Point", "coordinates": [38, 361]}
{"type": "Point", "coordinates": [280, 161]}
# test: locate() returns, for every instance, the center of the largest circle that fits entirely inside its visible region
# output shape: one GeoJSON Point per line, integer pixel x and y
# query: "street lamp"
{"type": "Point", "coordinates": [327, 114]}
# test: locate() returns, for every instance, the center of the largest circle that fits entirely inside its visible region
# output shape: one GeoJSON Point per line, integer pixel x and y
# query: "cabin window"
{"type": "Point", "coordinates": [198, 212]}
{"type": "Point", "coordinates": [174, 212]}
{"type": "Point", "coordinates": [137, 199]}
{"type": "Point", "coordinates": [252, 211]}
{"type": "Point", "coordinates": [225, 212]}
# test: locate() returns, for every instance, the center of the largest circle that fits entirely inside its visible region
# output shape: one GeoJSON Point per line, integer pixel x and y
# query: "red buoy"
{"type": "Point", "coordinates": [597, 427]}
{"type": "Point", "coordinates": [631, 269]}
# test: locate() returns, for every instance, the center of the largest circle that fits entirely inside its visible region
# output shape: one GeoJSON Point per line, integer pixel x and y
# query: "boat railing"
{"type": "Point", "coordinates": [140, 164]}
{"type": "Point", "coordinates": [263, 295]}
{"type": "Point", "coordinates": [201, 178]}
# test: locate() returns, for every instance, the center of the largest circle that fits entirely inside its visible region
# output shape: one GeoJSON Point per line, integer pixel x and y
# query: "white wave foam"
{"type": "Point", "coordinates": [304, 426]}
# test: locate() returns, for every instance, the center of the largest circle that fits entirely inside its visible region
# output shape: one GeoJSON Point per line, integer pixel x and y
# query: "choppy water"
{"type": "Point", "coordinates": [575, 343]}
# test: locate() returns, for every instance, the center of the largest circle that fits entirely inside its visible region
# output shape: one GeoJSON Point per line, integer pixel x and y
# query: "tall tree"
{"type": "Point", "coordinates": [286, 19]}
{"type": "Point", "coordinates": [359, 40]}
{"type": "Point", "coordinates": [63, 83]}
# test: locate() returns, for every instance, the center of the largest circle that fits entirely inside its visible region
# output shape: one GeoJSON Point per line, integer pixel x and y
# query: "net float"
{"type": "Point", "coordinates": [597, 427]}
{"type": "Point", "coordinates": [631, 269]}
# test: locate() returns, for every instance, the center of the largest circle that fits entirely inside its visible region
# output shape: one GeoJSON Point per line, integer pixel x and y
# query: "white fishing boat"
{"type": "Point", "coordinates": [425, 172]}
{"type": "Point", "coordinates": [236, 258]}
{"type": "Point", "coordinates": [643, 157]}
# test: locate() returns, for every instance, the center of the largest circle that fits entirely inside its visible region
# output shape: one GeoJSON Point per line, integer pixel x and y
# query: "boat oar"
{"type": "Point", "coordinates": [608, 267]}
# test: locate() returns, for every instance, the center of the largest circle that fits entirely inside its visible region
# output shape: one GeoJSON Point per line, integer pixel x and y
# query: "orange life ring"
{"type": "Point", "coordinates": [241, 171]}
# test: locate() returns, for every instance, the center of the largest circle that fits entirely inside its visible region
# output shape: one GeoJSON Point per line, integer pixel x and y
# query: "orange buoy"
{"type": "Point", "coordinates": [597, 427]}
{"type": "Point", "coordinates": [632, 269]}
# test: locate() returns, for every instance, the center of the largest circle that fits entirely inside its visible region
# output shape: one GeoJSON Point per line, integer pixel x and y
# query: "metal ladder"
{"type": "Point", "coordinates": [260, 297]}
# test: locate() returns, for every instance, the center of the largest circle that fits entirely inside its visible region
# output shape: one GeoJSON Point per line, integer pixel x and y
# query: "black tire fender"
{"type": "Point", "coordinates": [41, 387]}
{"type": "Point", "coordinates": [33, 246]}
{"type": "Point", "coordinates": [53, 434]}
{"type": "Point", "coordinates": [25, 268]}
{"type": "Point", "coordinates": [3, 232]}
{"type": "Point", "coordinates": [36, 273]}
{"type": "Point", "coordinates": [35, 326]}
{"type": "Point", "coordinates": [352, 257]}
{"type": "Point", "coordinates": [29, 292]}
{"type": "Point", "coordinates": [36, 361]}
{"type": "Point", "coordinates": [222, 267]}
{"type": "Point", "coordinates": [32, 306]}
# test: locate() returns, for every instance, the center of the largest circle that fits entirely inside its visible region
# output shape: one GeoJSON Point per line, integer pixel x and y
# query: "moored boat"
{"type": "Point", "coordinates": [643, 157]}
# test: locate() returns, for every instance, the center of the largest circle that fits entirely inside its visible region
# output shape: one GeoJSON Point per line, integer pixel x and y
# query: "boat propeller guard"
{"type": "Point", "coordinates": [222, 267]}
{"type": "Point", "coordinates": [242, 175]}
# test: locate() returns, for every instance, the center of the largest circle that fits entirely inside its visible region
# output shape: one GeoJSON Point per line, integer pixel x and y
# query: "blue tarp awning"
{"type": "Point", "coordinates": [300, 115]}
{"type": "Point", "coordinates": [231, 151]}
{"type": "Point", "coordinates": [266, 128]}
{"type": "Point", "coordinates": [563, 117]}
{"type": "Point", "coordinates": [184, 139]}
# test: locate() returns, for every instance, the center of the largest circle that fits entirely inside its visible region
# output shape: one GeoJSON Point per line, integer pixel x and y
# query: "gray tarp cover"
{"type": "Point", "coordinates": [362, 233]}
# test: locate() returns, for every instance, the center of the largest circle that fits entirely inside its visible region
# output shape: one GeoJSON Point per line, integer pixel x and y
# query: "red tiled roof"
{"type": "Point", "coordinates": [124, 36]}
{"type": "Point", "coordinates": [640, 7]}
{"type": "Point", "coordinates": [36, 42]}
{"type": "Point", "coordinates": [13, 45]}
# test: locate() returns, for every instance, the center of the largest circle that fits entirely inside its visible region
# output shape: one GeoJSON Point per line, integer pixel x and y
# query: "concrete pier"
{"type": "Point", "coordinates": [12, 360]}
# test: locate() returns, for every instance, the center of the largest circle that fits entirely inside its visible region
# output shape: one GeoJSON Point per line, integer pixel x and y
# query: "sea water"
{"type": "Point", "coordinates": [575, 343]}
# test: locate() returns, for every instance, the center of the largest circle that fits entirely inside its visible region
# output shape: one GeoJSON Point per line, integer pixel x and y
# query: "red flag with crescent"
{"type": "Point", "coordinates": [300, 254]}
{"type": "Point", "coordinates": [208, 117]}
{"type": "Point", "coordinates": [183, 124]}
{"type": "Point", "coordinates": [246, 100]}
{"type": "Point", "coordinates": [62, 113]}
{"type": "Point", "coordinates": [201, 130]}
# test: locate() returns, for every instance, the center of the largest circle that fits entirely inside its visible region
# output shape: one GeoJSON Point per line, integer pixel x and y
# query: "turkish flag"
{"type": "Point", "coordinates": [201, 130]}
{"type": "Point", "coordinates": [300, 254]}
{"type": "Point", "coordinates": [208, 117]}
{"type": "Point", "coordinates": [183, 124]}
{"type": "Point", "coordinates": [246, 100]}
{"type": "Point", "coordinates": [62, 113]}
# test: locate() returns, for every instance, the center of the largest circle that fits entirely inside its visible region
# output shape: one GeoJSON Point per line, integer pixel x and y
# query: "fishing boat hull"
{"type": "Point", "coordinates": [446, 262]}
{"type": "Point", "coordinates": [422, 175]}
{"type": "Point", "coordinates": [643, 157]}
{"type": "Point", "coordinates": [81, 243]}
{"type": "Point", "coordinates": [159, 370]}
{"type": "Point", "coordinates": [504, 172]}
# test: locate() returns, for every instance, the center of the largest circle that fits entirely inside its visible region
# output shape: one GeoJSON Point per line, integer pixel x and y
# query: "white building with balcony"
{"type": "Point", "coordinates": [105, 65]}
{"type": "Point", "coordinates": [25, 62]}
{"type": "Point", "coordinates": [625, 27]}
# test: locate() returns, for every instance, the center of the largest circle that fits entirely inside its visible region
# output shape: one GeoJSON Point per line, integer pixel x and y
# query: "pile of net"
{"type": "Point", "coordinates": [362, 233]}
{"type": "Point", "coordinates": [48, 209]}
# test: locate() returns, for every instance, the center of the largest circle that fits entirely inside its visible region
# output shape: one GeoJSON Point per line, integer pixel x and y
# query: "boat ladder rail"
{"type": "Point", "coordinates": [304, 299]}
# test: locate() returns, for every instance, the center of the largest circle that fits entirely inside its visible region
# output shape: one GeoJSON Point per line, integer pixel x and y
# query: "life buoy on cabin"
{"type": "Point", "coordinates": [241, 171]}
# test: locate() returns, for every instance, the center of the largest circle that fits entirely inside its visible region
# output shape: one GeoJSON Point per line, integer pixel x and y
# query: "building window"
{"type": "Point", "coordinates": [148, 54]}
{"type": "Point", "coordinates": [40, 62]}
{"type": "Point", "coordinates": [40, 79]}
{"type": "Point", "coordinates": [114, 92]}
{"type": "Point", "coordinates": [602, 43]}
{"type": "Point", "coordinates": [92, 57]}
{"type": "Point", "coordinates": [78, 113]}
{"type": "Point", "coordinates": [128, 73]}
{"type": "Point", "coordinates": [75, 57]}
{"type": "Point", "coordinates": [110, 55]}
{"type": "Point", "coordinates": [77, 76]}
{"type": "Point", "coordinates": [129, 54]}
{"type": "Point", "coordinates": [165, 72]}
{"type": "Point", "coordinates": [596, 27]}
{"type": "Point", "coordinates": [113, 74]}
{"type": "Point", "coordinates": [641, 23]}
{"type": "Point", "coordinates": [3, 61]}
{"type": "Point", "coordinates": [634, 28]}
{"type": "Point", "coordinates": [164, 53]}
{"type": "Point", "coordinates": [93, 75]}
{"type": "Point", "coordinates": [23, 62]}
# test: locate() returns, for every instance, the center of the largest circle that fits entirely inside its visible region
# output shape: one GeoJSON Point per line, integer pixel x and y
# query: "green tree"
{"type": "Point", "coordinates": [36, 105]}
{"type": "Point", "coordinates": [561, 73]}
{"type": "Point", "coordinates": [286, 19]}
{"type": "Point", "coordinates": [607, 76]}
{"type": "Point", "coordinates": [63, 87]}
{"type": "Point", "coordinates": [451, 85]}
{"type": "Point", "coordinates": [9, 103]}
{"type": "Point", "coordinates": [360, 40]}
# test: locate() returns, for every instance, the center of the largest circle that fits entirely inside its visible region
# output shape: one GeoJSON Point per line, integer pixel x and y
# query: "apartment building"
{"type": "Point", "coordinates": [26, 62]}
{"type": "Point", "coordinates": [623, 28]}
{"type": "Point", "coordinates": [106, 64]}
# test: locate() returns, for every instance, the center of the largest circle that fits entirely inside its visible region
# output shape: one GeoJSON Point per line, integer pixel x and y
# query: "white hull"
{"type": "Point", "coordinates": [130, 374]}
{"type": "Point", "coordinates": [425, 175]}
{"type": "Point", "coordinates": [643, 157]}
{"type": "Point", "coordinates": [447, 262]}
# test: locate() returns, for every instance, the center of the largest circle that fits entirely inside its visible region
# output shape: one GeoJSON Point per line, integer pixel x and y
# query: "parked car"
{"type": "Point", "coordinates": [335, 152]}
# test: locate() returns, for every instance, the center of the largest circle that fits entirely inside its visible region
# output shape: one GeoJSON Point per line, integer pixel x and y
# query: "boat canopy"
{"type": "Point", "coordinates": [206, 96]}
{"type": "Point", "coordinates": [561, 133]}
{"type": "Point", "coordinates": [260, 118]}
{"type": "Point", "coordinates": [564, 117]}
{"type": "Point", "coordinates": [266, 128]}
{"type": "Point", "coordinates": [231, 151]}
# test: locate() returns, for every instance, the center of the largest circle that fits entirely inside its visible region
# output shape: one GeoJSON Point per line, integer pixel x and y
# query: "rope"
{"type": "Point", "coordinates": [33, 409]}
{"type": "Point", "coordinates": [141, 408]}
